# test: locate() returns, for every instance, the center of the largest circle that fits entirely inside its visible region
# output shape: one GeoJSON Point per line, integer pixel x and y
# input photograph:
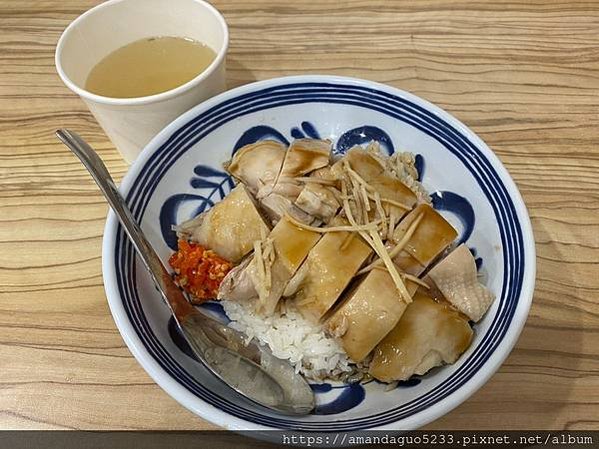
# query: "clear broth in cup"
{"type": "Point", "coordinates": [149, 66]}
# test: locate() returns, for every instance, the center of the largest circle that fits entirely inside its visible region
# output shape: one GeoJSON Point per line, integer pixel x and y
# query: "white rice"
{"type": "Point", "coordinates": [290, 336]}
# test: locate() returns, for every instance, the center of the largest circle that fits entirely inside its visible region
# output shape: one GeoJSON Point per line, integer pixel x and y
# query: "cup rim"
{"type": "Point", "coordinates": [133, 101]}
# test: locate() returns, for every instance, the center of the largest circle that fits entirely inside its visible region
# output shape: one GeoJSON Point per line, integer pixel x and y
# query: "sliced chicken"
{"type": "Point", "coordinates": [428, 334]}
{"type": "Point", "coordinates": [430, 237]}
{"type": "Point", "coordinates": [289, 188]}
{"type": "Point", "coordinates": [319, 201]}
{"type": "Point", "coordinates": [324, 173]}
{"type": "Point", "coordinates": [374, 173]}
{"type": "Point", "coordinates": [302, 157]}
{"type": "Point", "coordinates": [230, 227]}
{"type": "Point", "coordinates": [455, 277]}
{"type": "Point", "coordinates": [291, 244]}
{"type": "Point", "coordinates": [305, 156]}
{"type": "Point", "coordinates": [328, 269]}
{"type": "Point", "coordinates": [238, 284]}
{"type": "Point", "coordinates": [362, 162]}
{"type": "Point", "coordinates": [276, 206]}
{"type": "Point", "coordinates": [368, 313]}
{"type": "Point", "coordinates": [393, 189]}
{"type": "Point", "coordinates": [258, 164]}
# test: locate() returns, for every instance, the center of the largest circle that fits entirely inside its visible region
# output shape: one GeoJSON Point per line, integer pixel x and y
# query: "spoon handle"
{"type": "Point", "coordinates": [171, 294]}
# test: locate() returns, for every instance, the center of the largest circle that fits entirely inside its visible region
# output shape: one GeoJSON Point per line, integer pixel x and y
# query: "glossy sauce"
{"type": "Point", "coordinates": [292, 243]}
{"type": "Point", "coordinates": [431, 237]}
{"type": "Point", "coordinates": [370, 312]}
{"type": "Point", "coordinates": [426, 328]}
{"type": "Point", "coordinates": [331, 266]}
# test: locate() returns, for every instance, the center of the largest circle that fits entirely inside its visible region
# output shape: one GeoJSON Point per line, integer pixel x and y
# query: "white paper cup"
{"type": "Point", "coordinates": [130, 123]}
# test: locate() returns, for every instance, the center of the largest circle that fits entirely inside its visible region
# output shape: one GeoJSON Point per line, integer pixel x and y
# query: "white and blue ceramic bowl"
{"type": "Point", "coordinates": [179, 174]}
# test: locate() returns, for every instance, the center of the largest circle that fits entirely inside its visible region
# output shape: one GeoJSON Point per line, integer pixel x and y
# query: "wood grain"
{"type": "Point", "coordinates": [523, 75]}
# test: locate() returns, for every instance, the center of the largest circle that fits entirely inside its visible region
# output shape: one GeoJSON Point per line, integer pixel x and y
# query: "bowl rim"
{"type": "Point", "coordinates": [224, 419]}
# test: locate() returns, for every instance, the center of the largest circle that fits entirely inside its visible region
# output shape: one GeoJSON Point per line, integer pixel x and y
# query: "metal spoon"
{"type": "Point", "coordinates": [251, 370]}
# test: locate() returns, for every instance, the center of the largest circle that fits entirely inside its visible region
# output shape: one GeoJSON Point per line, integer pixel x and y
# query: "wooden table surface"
{"type": "Point", "coordinates": [523, 75]}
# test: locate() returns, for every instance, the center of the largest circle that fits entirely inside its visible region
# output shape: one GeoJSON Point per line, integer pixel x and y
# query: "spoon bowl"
{"type": "Point", "coordinates": [250, 370]}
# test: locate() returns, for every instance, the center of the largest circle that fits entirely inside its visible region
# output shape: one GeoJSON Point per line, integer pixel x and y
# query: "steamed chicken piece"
{"type": "Point", "coordinates": [362, 163]}
{"type": "Point", "coordinates": [318, 201]}
{"type": "Point", "coordinates": [455, 277]}
{"type": "Point", "coordinates": [238, 284]}
{"type": "Point", "coordinates": [258, 164]}
{"type": "Point", "coordinates": [275, 206]}
{"type": "Point", "coordinates": [427, 335]}
{"type": "Point", "coordinates": [305, 156]}
{"type": "Point", "coordinates": [432, 235]}
{"type": "Point", "coordinates": [320, 196]}
{"type": "Point", "coordinates": [276, 199]}
{"type": "Point", "coordinates": [387, 185]}
{"type": "Point", "coordinates": [288, 188]}
{"type": "Point", "coordinates": [324, 174]}
{"type": "Point", "coordinates": [302, 157]}
{"type": "Point", "coordinates": [393, 189]}
{"type": "Point", "coordinates": [229, 228]}
{"type": "Point", "coordinates": [327, 270]}
{"type": "Point", "coordinates": [367, 313]}
{"type": "Point", "coordinates": [291, 246]}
